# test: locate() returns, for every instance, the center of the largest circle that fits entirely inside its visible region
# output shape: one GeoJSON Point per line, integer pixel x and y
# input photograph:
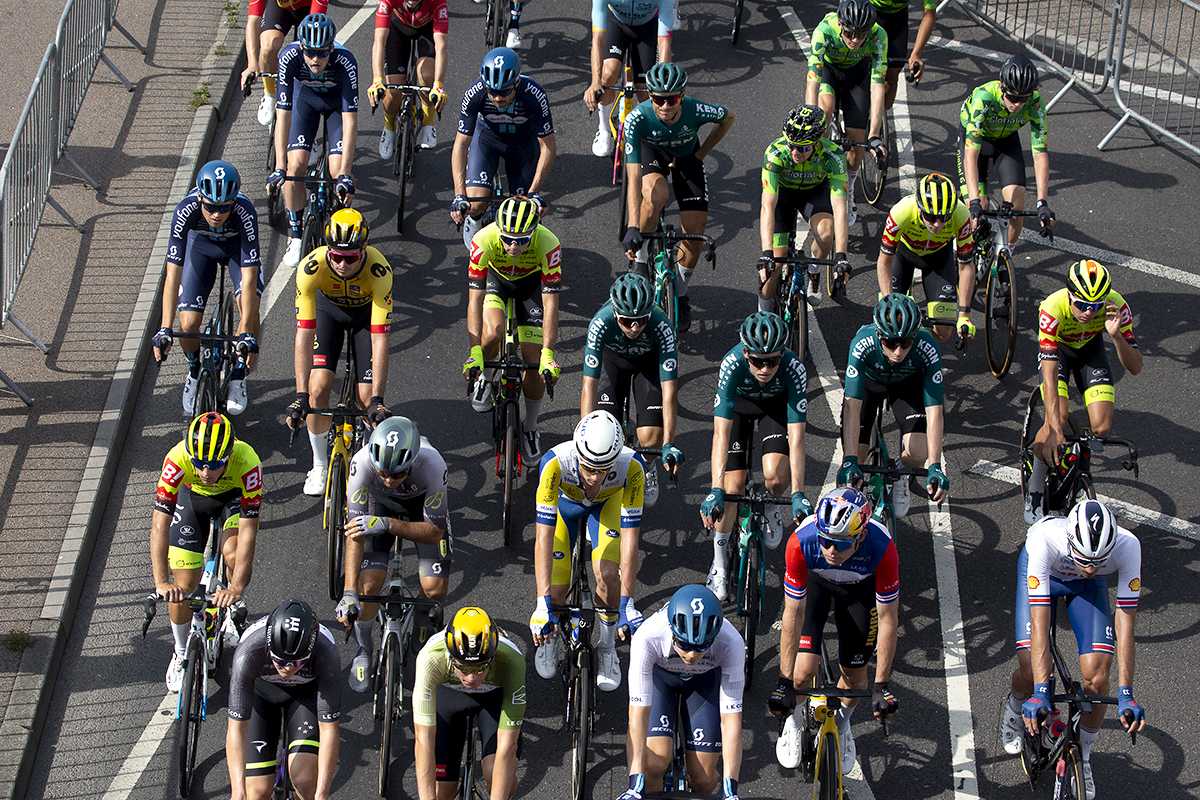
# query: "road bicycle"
{"type": "Point", "coordinates": [625, 101]}
{"type": "Point", "coordinates": [791, 294]}
{"type": "Point", "coordinates": [471, 785]}
{"type": "Point", "coordinates": [495, 23]}
{"type": "Point", "coordinates": [408, 122]}
{"type": "Point", "coordinates": [219, 352]}
{"type": "Point", "coordinates": [664, 257]}
{"type": "Point", "coordinates": [884, 473]}
{"type": "Point", "coordinates": [1071, 481]}
{"type": "Point", "coordinates": [675, 783]}
{"type": "Point", "coordinates": [873, 171]}
{"type": "Point", "coordinates": [273, 198]}
{"type": "Point", "coordinates": [506, 410]}
{"type": "Point", "coordinates": [738, 5]}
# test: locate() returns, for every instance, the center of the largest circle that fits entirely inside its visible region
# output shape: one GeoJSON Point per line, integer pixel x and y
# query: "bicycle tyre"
{"type": "Point", "coordinates": [623, 198]}
{"type": "Point", "coordinates": [749, 605]}
{"type": "Point", "coordinates": [669, 302]}
{"type": "Point", "coordinates": [1073, 774]}
{"type": "Point", "coordinates": [1000, 313]}
{"type": "Point", "coordinates": [405, 156]}
{"type": "Point", "coordinates": [191, 711]}
{"type": "Point", "coordinates": [833, 283]}
{"type": "Point", "coordinates": [311, 234]}
{"type": "Point", "coordinates": [335, 525]}
{"type": "Point", "coordinates": [273, 193]}
{"type": "Point", "coordinates": [828, 776]}
{"type": "Point", "coordinates": [737, 19]}
{"type": "Point", "coordinates": [512, 425]}
{"type": "Point", "coordinates": [796, 311]}
{"type": "Point", "coordinates": [582, 730]}
{"type": "Point", "coordinates": [225, 374]}
{"type": "Point", "coordinates": [391, 708]}
{"type": "Point", "coordinates": [874, 172]}
{"type": "Point", "coordinates": [1028, 434]}
{"type": "Point", "coordinates": [1085, 489]}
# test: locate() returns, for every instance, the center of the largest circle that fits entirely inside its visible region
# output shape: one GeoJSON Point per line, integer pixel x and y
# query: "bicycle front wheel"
{"type": "Point", "coordinates": [404, 159]}
{"type": "Point", "coordinates": [828, 773]}
{"type": "Point", "coordinates": [511, 428]}
{"type": "Point", "coordinates": [737, 19]}
{"type": "Point", "coordinates": [623, 197]}
{"type": "Point", "coordinates": [1000, 312]}
{"type": "Point", "coordinates": [191, 714]}
{"type": "Point", "coordinates": [1085, 489]}
{"type": "Point", "coordinates": [581, 732]}
{"type": "Point", "coordinates": [391, 689]}
{"type": "Point", "coordinates": [874, 171]}
{"type": "Point", "coordinates": [1028, 434]}
{"type": "Point", "coordinates": [748, 605]}
{"type": "Point", "coordinates": [335, 526]}
{"type": "Point", "coordinates": [1073, 775]}
{"type": "Point", "coordinates": [668, 301]}
{"type": "Point", "coordinates": [311, 234]}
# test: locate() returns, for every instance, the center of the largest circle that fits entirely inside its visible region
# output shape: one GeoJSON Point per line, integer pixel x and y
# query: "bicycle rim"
{"type": "Point", "coordinates": [512, 426]}
{"type": "Point", "coordinates": [310, 236]}
{"type": "Point", "coordinates": [273, 193]}
{"type": "Point", "coordinates": [832, 286]}
{"type": "Point", "coordinates": [828, 773]}
{"type": "Point", "coordinates": [874, 172]}
{"type": "Point", "coordinates": [391, 707]}
{"type": "Point", "coordinates": [1085, 489]}
{"type": "Point", "coordinates": [753, 600]}
{"type": "Point", "coordinates": [737, 19]}
{"type": "Point", "coordinates": [230, 354]}
{"type": "Point", "coordinates": [581, 733]}
{"type": "Point", "coordinates": [1000, 313]}
{"type": "Point", "coordinates": [405, 157]}
{"type": "Point", "coordinates": [335, 516]}
{"type": "Point", "coordinates": [191, 700]}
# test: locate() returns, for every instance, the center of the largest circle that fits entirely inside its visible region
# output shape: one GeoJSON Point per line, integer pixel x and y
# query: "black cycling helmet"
{"type": "Point", "coordinates": [856, 15]}
{"type": "Point", "coordinates": [804, 126]}
{"type": "Point", "coordinates": [631, 296]}
{"type": "Point", "coordinates": [666, 78]}
{"type": "Point", "coordinates": [1018, 75]}
{"type": "Point", "coordinates": [897, 316]}
{"type": "Point", "coordinates": [764, 332]}
{"type": "Point", "coordinates": [292, 631]}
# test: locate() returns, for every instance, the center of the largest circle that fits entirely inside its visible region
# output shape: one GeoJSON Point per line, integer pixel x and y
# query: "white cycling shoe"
{"type": "Point", "coordinates": [773, 535]}
{"type": "Point", "coordinates": [237, 401]}
{"type": "Point", "coordinates": [849, 751]}
{"type": "Point", "coordinates": [602, 145]}
{"type": "Point", "coordinates": [266, 109]}
{"type": "Point", "coordinates": [787, 749]}
{"type": "Point", "coordinates": [387, 144]}
{"type": "Point", "coordinates": [1012, 730]}
{"type": "Point", "coordinates": [190, 386]}
{"type": "Point", "coordinates": [546, 658]}
{"type": "Point", "coordinates": [175, 673]}
{"type": "Point", "coordinates": [291, 257]}
{"type": "Point", "coordinates": [608, 669]}
{"type": "Point", "coordinates": [901, 496]}
{"type": "Point", "coordinates": [481, 395]}
{"type": "Point", "coordinates": [1033, 507]}
{"type": "Point", "coordinates": [514, 39]}
{"type": "Point", "coordinates": [650, 495]}
{"type": "Point", "coordinates": [428, 137]}
{"type": "Point", "coordinates": [718, 583]}
{"type": "Point", "coordinates": [314, 481]}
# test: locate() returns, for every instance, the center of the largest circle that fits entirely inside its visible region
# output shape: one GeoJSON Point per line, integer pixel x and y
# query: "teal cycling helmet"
{"type": "Point", "coordinates": [897, 316]}
{"type": "Point", "coordinates": [764, 332]}
{"type": "Point", "coordinates": [666, 78]}
{"type": "Point", "coordinates": [695, 615]}
{"type": "Point", "coordinates": [631, 296]}
{"type": "Point", "coordinates": [316, 32]}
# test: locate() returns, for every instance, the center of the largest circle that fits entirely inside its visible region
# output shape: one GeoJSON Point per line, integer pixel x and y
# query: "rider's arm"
{"type": "Point", "coordinates": [634, 193]}
{"type": "Point", "coordinates": [441, 56]}
{"type": "Point", "coordinates": [796, 454]}
{"type": "Point", "coordinates": [635, 742]}
{"type": "Point", "coordinates": [547, 151]}
{"type": "Point", "coordinates": [1039, 642]}
{"type": "Point", "coordinates": [837, 195]}
{"type": "Point", "coordinates": [631, 525]}
{"type": "Point", "coordinates": [1124, 621]}
{"type": "Point", "coordinates": [715, 136]}
{"type": "Point", "coordinates": [236, 737]}
{"type": "Point", "coordinates": [1041, 174]}
{"type": "Point", "coordinates": [731, 744]}
{"type": "Point", "coordinates": [928, 20]}
{"type": "Point", "coordinates": [504, 769]}
{"type": "Point", "coordinates": [889, 616]}
{"type": "Point", "coordinates": [934, 427]}
{"type": "Point", "coordinates": [329, 736]}
{"type": "Point", "coordinates": [722, 428]}
{"type": "Point", "coordinates": [424, 761]}
{"type": "Point", "coordinates": [170, 293]}
{"type": "Point", "coordinates": [816, 58]}
{"type": "Point", "coordinates": [253, 31]}
{"type": "Point", "coordinates": [789, 635]}
{"type": "Point", "coordinates": [550, 318]}
{"type": "Point", "coordinates": [599, 37]}
{"type": "Point", "coordinates": [851, 422]}
{"type": "Point", "coordinates": [877, 101]}
{"type": "Point", "coordinates": [458, 162]}
{"type": "Point", "coordinates": [379, 47]}
{"type": "Point", "coordinates": [883, 270]}
{"type": "Point", "coordinates": [160, 526]}
{"type": "Point", "coordinates": [1118, 321]}
{"type": "Point", "coordinates": [766, 216]}
{"type": "Point", "coordinates": [247, 536]}
{"type": "Point", "coordinates": [349, 140]}
{"type": "Point", "coordinates": [670, 409]}
{"type": "Point", "coordinates": [547, 520]}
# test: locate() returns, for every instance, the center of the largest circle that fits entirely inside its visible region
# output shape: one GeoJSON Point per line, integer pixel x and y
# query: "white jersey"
{"type": "Point", "coordinates": [1049, 552]}
{"type": "Point", "coordinates": [652, 647]}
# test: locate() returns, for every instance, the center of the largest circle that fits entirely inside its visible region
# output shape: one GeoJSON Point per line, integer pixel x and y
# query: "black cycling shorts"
{"type": "Point", "coordinates": [804, 202]}
{"type": "Point", "coordinates": [519, 151]}
{"type": "Point", "coordinates": [939, 272]}
{"type": "Point", "coordinates": [433, 560]}
{"type": "Point", "coordinates": [400, 42]}
{"type": "Point", "coordinates": [771, 416]}
{"type": "Point", "coordinates": [332, 322]}
{"type": "Point", "coordinates": [617, 374]}
{"type": "Point", "coordinates": [643, 40]}
{"type": "Point", "coordinates": [277, 18]}
{"type": "Point", "coordinates": [203, 258]}
{"type": "Point", "coordinates": [686, 173]}
{"type": "Point", "coordinates": [907, 399]}
{"type": "Point", "coordinates": [852, 90]}
{"type": "Point", "coordinates": [1005, 154]}
{"type": "Point", "coordinates": [526, 294]}
{"type": "Point", "coordinates": [701, 695]}
{"type": "Point", "coordinates": [193, 520]}
{"type": "Point", "coordinates": [854, 614]}
{"type": "Point", "coordinates": [454, 708]}
{"type": "Point", "coordinates": [895, 25]}
{"type": "Point", "coordinates": [295, 707]}
{"type": "Point", "coordinates": [1088, 365]}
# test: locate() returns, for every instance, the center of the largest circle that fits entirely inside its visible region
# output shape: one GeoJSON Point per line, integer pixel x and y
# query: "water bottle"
{"type": "Point", "coordinates": [574, 626]}
{"type": "Point", "coordinates": [394, 575]}
{"type": "Point", "coordinates": [1053, 730]}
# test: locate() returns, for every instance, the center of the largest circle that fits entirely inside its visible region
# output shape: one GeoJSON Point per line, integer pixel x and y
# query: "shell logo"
{"type": "Point", "coordinates": [1135, 585]}
{"type": "Point", "coordinates": [1034, 582]}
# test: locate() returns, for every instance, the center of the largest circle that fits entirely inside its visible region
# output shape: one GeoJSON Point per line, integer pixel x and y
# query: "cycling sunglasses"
{"type": "Point", "coordinates": [800, 148]}
{"type": "Point", "coordinates": [472, 670]}
{"type": "Point", "coordinates": [860, 34]}
{"type": "Point", "coordinates": [665, 99]}
{"type": "Point", "coordinates": [509, 92]}
{"type": "Point", "coordinates": [339, 257]}
{"type": "Point", "coordinates": [764, 362]}
{"type": "Point", "coordinates": [1017, 98]}
{"type": "Point", "coordinates": [279, 662]}
{"type": "Point", "coordinates": [897, 344]}
{"type": "Point", "coordinates": [633, 322]}
{"type": "Point", "coordinates": [210, 208]}
{"type": "Point", "coordinates": [935, 218]}
{"type": "Point", "coordinates": [317, 53]}
{"type": "Point", "coordinates": [841, 545]}
{"type": "Point", "coordinates": [692, 648]}
{"type": "Point", "coordinates": [213, 464]}
{"type": "Point", "coordinates": [1086, 563]}
{"type": "Point", "coordinates": [392, 476]}
{"type": "Point", "coordinates": [592, 470]}
{"type": "Point", "coordinates": [1085, 306]}
{"type": "Point", "coordinates": [515, 241]}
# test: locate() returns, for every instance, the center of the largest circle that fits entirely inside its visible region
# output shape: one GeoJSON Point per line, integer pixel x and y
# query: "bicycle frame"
{"type": "Point", "coordinates": [880, 488]}
{"type": "Point", "coordinates": [664, 258]}
{"type": "Point", "coordinates": [791, 293]}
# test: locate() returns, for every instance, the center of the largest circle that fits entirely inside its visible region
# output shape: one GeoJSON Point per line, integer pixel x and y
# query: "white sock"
{"type": "Point", "coordinates": [1012, 247]}
{"type": "Point", "coordinates": [362, 634]}
{"type": "Point", "coordinates": [1037, 478]}
{"type": "Point", "coordinates": [181, 630]}
{"type": "Point", "coordinates": [533, 409]}
{"type": "Point", "coordinates": [605, 110]}
{"type": "Point", "coordinates": [720, 548]}
{"type": "Point", "coordinates": [842, 717]}
{"type": "Point", "coordinates": [608, 633]}
{"type": "Point", "coordinates": [685, 278]}
{"type": "Point", "coordinates": [643, 254]}
{"type": "Point", "coordinates": [317, 442]}
{"type": "Point", "coordinates": [1014, 704]}
{"type": "Point", "coordinates": [1087, 738]}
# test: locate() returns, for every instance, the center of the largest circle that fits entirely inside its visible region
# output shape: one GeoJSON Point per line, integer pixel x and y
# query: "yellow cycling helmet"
{"type": "Point", "coordinates": [347, 230]}
{"type": "Point", "coordinates": [209, 440]}
{"type": "Point", "coordinates": [1088, 280]}
{"type": "Point", "coordinates": [936, 197]}
{"type": "Point", "coordinates": [518, 216]}
{"type": "Point", "coordinates": [472, 638]}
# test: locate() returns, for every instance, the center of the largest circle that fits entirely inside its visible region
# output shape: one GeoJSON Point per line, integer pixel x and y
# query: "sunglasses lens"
{"type": "Point", "coordinates": [841, 545]}
{"type": "Point", "coordinates": [633, 322]}
{"type": "Point", "coordinates": [515, 241]}
{"type": "Point", "coordinates": [213, 465]}
{"type": "Point", "coordinates": [316, 53]}
{"type": "Point", "coordinates": [897, 344]}
{"type": "Point", "coordinates": [210, 208]}
{"type": "Point", "coordinates": [665, 100]}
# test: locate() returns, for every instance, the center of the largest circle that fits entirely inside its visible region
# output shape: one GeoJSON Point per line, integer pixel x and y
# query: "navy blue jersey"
{"type": "Point", "coordinates": [339, 78]}
{"type": "Point", "coordinates": [528, 113]}
{"type": "Point", "coordinates": [241, 223]}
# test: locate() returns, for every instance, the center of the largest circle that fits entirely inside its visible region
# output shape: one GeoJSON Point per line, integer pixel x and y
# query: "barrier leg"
{"type": "Point", "coordinates": [12, 387]}
{"type": "Point", "coordinates": [63, 212]}
{"type": "Point", "coordinates": [90, 180]}
{"type": "Point", "coordinates": [128, 36]}
{"type": "Point", "coordinates": [108, 63]}
{"type": "Point", "coordinates": [28, 333]}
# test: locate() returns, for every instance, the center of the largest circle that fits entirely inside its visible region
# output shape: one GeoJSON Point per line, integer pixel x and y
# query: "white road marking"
{"type": "Point", "coordinates": [280, 280]}
{"type": "Point", "coordinates": [356, 22]}
{"type": "Point", "coordinates": [139, 757]}
{"type": "Point", "coordinates": [1111, 259]}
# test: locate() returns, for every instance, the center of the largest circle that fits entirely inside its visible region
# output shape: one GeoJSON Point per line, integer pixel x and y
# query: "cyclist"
{"type": "Point", "coordinates": [214, 225]}
{"type": "Point", "coordinates": [928, 231]}
{"type": "Point", "coordinates": [512, 114]}
{"type": "Point", "coordinates": [630, 345]}
{"type": "Point", "coordinates": [895, 361]}
{"type": "Point", "coordinates": [593, 482]}
{"type": "Point", "coordinates": [839, 559]}
{"type": "Point", "coordinates": [1070, 322]}
{"type": "Point", "coordinates": [209, 476]}
{"type": "Point", "coordinates": [474, 670]}
{"type": "Point", "coordinates": [514, 259]}
{"type": "Point", "coordinates": [989, 136]}
{"type": "Point", "coordinates": [620, 27]}
{"type": "Point", "coordinates": [284, 675]}
{"type": "Point", "coordinates": [267, 24]}
{"type": "Point", "coordinates": [849, 51]}
{"type": "Point", "coordinates": [345, 286]}
{"type": "Point", "coordinates": [760, 381]}
{"type": "Point", "coordinates": [662, 139]}
{"type": "Point", "coordinates": [1069, 558]}
{"type": "Point", "coordinates": [892, 16]}
{"type": "Point", "coordinates": [401, 25]}
{"type": "Point", "coordinates": [686, 651]}
{"type": "Point", "coordinates": [396, 491]}
{"type": "Point", "coordinates": [802, 173]}
{"type": "Point", "coordinates": [318, 79]}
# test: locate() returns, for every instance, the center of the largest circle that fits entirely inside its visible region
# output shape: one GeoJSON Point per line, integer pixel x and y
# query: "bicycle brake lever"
{"type": "Point", "coordinates": [883, 724]}
{"type": "Point", "coordinates": [549, 386]}
{"type": "Point", "coordinates": [151, 607]}
{"type": "Point", "coordinates": [248, 84]}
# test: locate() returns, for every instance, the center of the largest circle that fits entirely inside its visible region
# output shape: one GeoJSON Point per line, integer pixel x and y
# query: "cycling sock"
{"type": "Point", "coordinates": [842, 718]}
{"type": "Point", "coordinates": [515, 16]}
{"type": "Point", "coordinates": [685, 278]}
{"type": "Point", "coordinates": [427, 112]}
{"type": "Point", "coordinates": [294, 223]}
{"type": "Point", "coordinates": [766, 304]}
{"type": "Point", "coordinates": [362, 635]}
{"type": "Point", "coordinates": [268, 85]}
{"type": "Point", "coordinates": [605, 110]}
{"type": "Point", "coordinates": [608, 631]}
{"type": "Point", "coordinates": [720, 549]}
{"type": "Point", "coordinates": [238, 373]}
{"type": "Point", "coordinates": [389, 122]}
{"type": "Point", "coordinates": [320, 456]}
{"type": "Point", "coordinates": [193, 360]}
{"type": "Point", "coordinates": [1014, 704]}
{"type": "Point", "coordinates": [1012, 247]}
{"type": "Point", "coordinates": [1087, 738]}
{"type": "Point", "coordinates": [533, 410]}
{"type": "Point", "coordinates": [181, 630]}
{"type": "Point", "coordinates": [851, 179]}
{"type": "Point", "coordinates": [1037, 478]}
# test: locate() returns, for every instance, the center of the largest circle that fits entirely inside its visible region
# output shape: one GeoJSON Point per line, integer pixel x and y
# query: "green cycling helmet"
{"type": "Point", "coordinates": [666, 78]}
{"type": "Point", "coordinates": [631, 296]}
{"type": "Point", "coordinates": [897, 316]}
{"type": "Point", "coordinates": [764, 332]}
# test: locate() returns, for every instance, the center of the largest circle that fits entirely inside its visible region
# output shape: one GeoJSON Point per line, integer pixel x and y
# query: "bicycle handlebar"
{"type": "Point", "coordinates": [248, 85]}
{"type": "Point", "coordinates": [893, 473]}
{"type": "Point", "coordinates": [390, 600]}
{"type": "Point", "coordinates": [835, 691]}
{"type": "Point", "coordinates": [523, 366]}
{"type": "Point", "coordinates": [195, 600]}
{"type": "Point", "coordinates": [805, 260]}
{"type": "Point", "coordinates": [339, 412]}
{"type": "Point", "coordinates": [675, 236]}
{"type": "Point", "coordinates": [759, 497]}
{"type": "Point", "coordinates": [655, 452]}
{"type": "Point", "coordinates": [1129, 464]}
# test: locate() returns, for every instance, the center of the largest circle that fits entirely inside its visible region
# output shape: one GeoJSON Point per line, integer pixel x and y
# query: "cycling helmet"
{"type": "Point", "coordinates": [856, 15]}
{"type": "Point", "coordinates": [936, 196]}
{"type": "Point", "coordinates": [843, 513]}
{"type": "Point", "coordinates": [631, 296]}
{"type": "Point", "coordinates": [764, 332]}
{"type": "Point", "coordinates": [218, 183]}
{"type": "Point", "coordinates": [518, 216]}
{"type": "Point", "coordinates": [695, 614]}
{"type": "Point", "coordinates": [897, 316]}
{"type": "Point", "coordinates": [472, 638]}
{"type": "Point", "coordinates": [210, 438]}
{"type": "Point", "coordinates": [347, 230]}
{"type": "Point", "coordinates": [1091, 529]}
{"type": "Point", "coordinates": [1018, 75]}
{"type": "Point", "coordinates": [1088, 280]}
{"type": "Point", "coordinates": [598, 439]}
{"type": "Point", "coordinates": [394, 445]}
{"type": "Point", "coordinates": [666, 78]}
{"type": "Point", "coordinates": [805, 125]}
{"type": "Point", "coordinates": [292, 631]}
{"type": "Point", "coordinates": [501, 69]}
{"type": "Point", "coordinates": [316, 32]}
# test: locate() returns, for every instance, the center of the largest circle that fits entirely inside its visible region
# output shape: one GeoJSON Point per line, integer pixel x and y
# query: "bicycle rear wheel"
{"type": "Point", "coordinates": [511, 427]}
{"type": "Point", "coordinates": [335, 526]}
{"type": "Point", "coordinates": [581, 731]}
{"type": "Point", "coordinates": [1085, 489]}
{"type": "Point", "coordinates": [874, 171]}
{"type": "Point", "coordinates": [1028, 434]}
{"type": "Point", "coordinates": [405, 157]}
{"type": "Point", "coordinates": [737, 19]}
{"type": "Point", "coordinates": [311, 233]}
{"type": "Point", "coordinates": [623, 197]}
{"type": "Point", "coordinates": [274, 198]}
{"type": "Point", "coordinates": [391, 689]}
{"type": "Point", "coordinates": [748, 602]}
{"type": "Point", "coordinates": [191, 714]}
{"type": "Point", "coordinates": [795, 305]}
{"type": "Point", "coordinates": [1000, 312]}
{"type": "Point", "coordinates": [828, 774]}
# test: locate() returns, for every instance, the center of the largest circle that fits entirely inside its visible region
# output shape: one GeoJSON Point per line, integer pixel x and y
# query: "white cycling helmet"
{"type": "Point", "coordinates": [598, 439]}
{"type": "Point", "coordinates": [1091, 530]}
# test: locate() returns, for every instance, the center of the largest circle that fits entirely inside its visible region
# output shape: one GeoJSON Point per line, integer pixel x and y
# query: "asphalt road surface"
{"type": "Point", "coordinates": [108, 717]}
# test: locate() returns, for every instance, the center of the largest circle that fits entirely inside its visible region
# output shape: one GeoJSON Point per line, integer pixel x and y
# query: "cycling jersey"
{"type": "Point", "coordinates": [426, 480]}
{"type": "Point", "coordinates": [905, 224]}
{"type": "Point", "coordinates": [634, 13]}
{"type": "Point", "coordinates": [428, 12]}
{"type": "Point", "coordinates": [1058, 326]}
{"type": "Point", "coordinates": [657, 337]}
{"type": "Point", "coordinates": [829, 48]}
{"type": "Point", "coordinates": [736, 380]}
{"type": "Point", "coordinates": [544, 255]}
{"type": "Point", "coordinates": [827, 163]}
{"type": "Point", "coordinates": [528, 114]}
{"type": "Point", "coordinates": [241, 224]}
{"type": "Point", "coordinates": [561, 481]}
{"type": "Point", "coordinates": [892, 6]}
{"type": "Point", "coordinates": [652, 647]}
{"type": "Point", "coordinates": [984, 117]}
{"type": "Point", "coordinates": [370, 286]}
{"type": "Point", "coordinates": [680, 139]}
{"type": "Point", "coordinates": [868, 362]}
{"type": "Point", "coordinates": [434, 671]}
{"type": "Point", "coordinates": [243, 472]}
{"type": "Point", "coordinates": [338, 79]}
{"type": "Point", "coordinates": [257, 7]}
{"type": "Point", "coordinates": [252, 663]}
{"type": "Point", "coordinates": [876, 556]}
{"type": "Point", "coordinates": [1049, 550]}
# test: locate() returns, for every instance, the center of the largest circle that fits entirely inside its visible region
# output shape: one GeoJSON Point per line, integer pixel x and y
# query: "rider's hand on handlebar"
{"type": "Point", "coordinates": [632, 241]}
{"type": "Point", "coordinates": [1045, 217]}
{"type": "Point", "coordinates": [883, 702]}
{"type": "Point", "coordinates": [275, 179]}
{"type": "Point", "coordinates": [375, 92]}
{"type": "Point", "coordinates": [801, 507]}
{"type": "Point", "coordinates": [916, 68]}
{"type": "Point", "coordinates": [459, 207]}
{"type": "Point", "coordinates": [1130, 711]}
{"type": "Point", "coordinates": [548, 364]}
{"type": "Point", "coordinates": [637, 785]}
{"type": "Point", "coordinates": [1036, 707]}
{"type": "Point", "coordinates": [438, 96]}
{"type": "Point", "coordinates": [297, 410]}
{"type": "Point", "coordinates": [629, 619]}
{"type": "Point", "coordinates": [713, 506]}
{"type": "Point", "coordinates": [348, 606]}
{"type": "Point", "coordinates": [170, 592]}
{"type": "Point", "coordinates": [542, 623]}
{"type": "Point", "coordinates": [377, 412]}
{"type": "Point", "coordinates": [672, 457]}
{"type": "Point", "coordinates": [162, 343]}
{"type": "Point", "coordinates": [782, 701]}
{"type": "Point", "coordinates": [850, 474]}
{"type": "Point", "coordinates": [936, 482]}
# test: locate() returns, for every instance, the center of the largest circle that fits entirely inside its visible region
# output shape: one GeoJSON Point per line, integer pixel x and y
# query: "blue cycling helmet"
{"type": "Point", "coordinates": [695, 614]}
{"type": "Point", "coordinates": [316, 32]}
{"type": "Point", "coordinates": [218, 183]}
{"type": "Point", "coordinates": [501, 69]}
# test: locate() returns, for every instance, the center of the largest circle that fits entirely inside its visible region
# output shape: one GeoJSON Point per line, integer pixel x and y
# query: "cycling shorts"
{"type": "Point", "coordinates": [433, 560]}
{"type": "Point", "coordinates": [618, 375]}
{"type": "Point", "coordinates": [277, 18]}
{"type": "Point", "coordinates": [332, 322]}
{"type": "Point", "coordinates": [895, 25]}
{"type": "Point", "coordinates": [400, 42]}
{"type": "Point", "coordinates": [854, 614]}
{"type": "Point", "coordinates": [308, 109]}
{"type": "Point", "coordinates": [292, 707]}
{"type": "Point", "coordinates": [620, 38]}
{"type": "Point", "coordinates": [604, 534]}
{"type": "Point", "coordinates": [454, 709]}
{"type": "Point", "coordinates": [851, 86]}
{"type": "Point", "coordinates": [1087, 609]}
{"type": "Point", "coordinates": [686, 173]}
{"type": "Point", "coordinates": [805, 202]}
{"type": "Point", "coordinates": [907, 399]}
{"type": "Point", "coordinates": [771, 416]}
{"type": "Point", "coordinates": [204, 257]}
{"type": "Point", "coordinates": [192, 522]}
{"type": "Point", "coordinates": [520, 154]}
{"type": "Point", "coordinates": [1089, 366]}
{"type": "Point", "coordinates": [526, 294]}
{"type": "Point", "coordinates": [939, 277]}
{"type": "Point", "coordinates": [1005, 154]}
{"type": "Point", "coordinates": [701, 708]}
